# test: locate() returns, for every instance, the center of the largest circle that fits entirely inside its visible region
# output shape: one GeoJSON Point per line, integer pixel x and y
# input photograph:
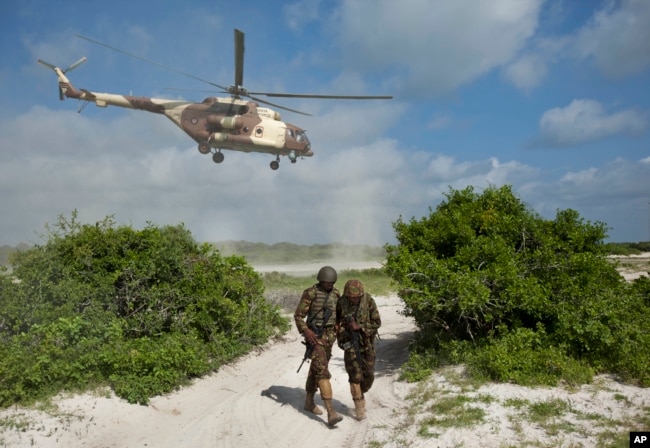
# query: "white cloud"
{"type": "Point", "coordinates": [299, 14]}
{"type": "Point", "coordinates": [618, 38]}
{"type": "Point", "coordinates": [528, 71]}
{"type": "Point", "coordinates": [350, 124]}
{"type": "Point", "coordinates": [585, 120]}
{"type": "Point", "coordinates": [100, 166]}
{"type": "Point", "coordinates": [434, 46]}
{"type": "Point", "coordinates": [345, 193]}
{"type": "Point", "coordinates": [439, 122]}
{"type": "Point", "coordinates": [615, 193]}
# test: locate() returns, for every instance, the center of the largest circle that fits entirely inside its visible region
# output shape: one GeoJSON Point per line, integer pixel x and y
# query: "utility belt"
{"type": "Point", "coordinates": [314, 327]}
{"type": "Point", "coordinates": [322, 330]}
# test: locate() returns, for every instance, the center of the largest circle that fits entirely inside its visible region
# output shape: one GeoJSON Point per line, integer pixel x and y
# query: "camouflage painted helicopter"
{"type": "Point", "coordinates": [216, 123]}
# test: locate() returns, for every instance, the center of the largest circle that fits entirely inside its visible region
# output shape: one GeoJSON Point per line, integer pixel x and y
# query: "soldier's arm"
{"type": "Point", "coordinates": [375, 320]}
{"type": "Point", "coordinates": [301, 312]}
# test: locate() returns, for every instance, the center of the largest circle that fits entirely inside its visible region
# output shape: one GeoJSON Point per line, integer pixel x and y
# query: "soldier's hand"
{"type": "Point", "coordinates": [354, 326]}
{"type": "Point", "coordinates": [310, 336]}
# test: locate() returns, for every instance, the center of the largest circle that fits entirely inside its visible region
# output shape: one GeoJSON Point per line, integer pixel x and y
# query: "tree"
{"type": "Point", "coordinates": [485, 272]}
{"type": "Point", "coordinates": [143, 310]}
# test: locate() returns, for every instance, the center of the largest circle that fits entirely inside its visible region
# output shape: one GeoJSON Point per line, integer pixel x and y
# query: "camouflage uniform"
{"type": "Point", "coordinates": [318, 306]}
{"type": "Point", "coordinates": [358, 306]}
{"type": "Point", "coordinates": [311, 307]}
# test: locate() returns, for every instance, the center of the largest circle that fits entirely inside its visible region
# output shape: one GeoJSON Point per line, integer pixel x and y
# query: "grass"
{"type": "Point", "coordinates": [449, 403]}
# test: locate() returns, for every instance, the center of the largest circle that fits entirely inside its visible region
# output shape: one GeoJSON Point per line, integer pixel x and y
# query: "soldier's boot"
{"type": "Point", "coordinates": [310, 406]}
{"type": "Point", "coordinates": [326, 394]}
{"type": "Point", "coordinates": [359, 401]}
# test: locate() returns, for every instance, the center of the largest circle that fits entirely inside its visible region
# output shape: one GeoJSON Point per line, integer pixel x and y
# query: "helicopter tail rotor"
{"type": "Point", "coordinates": [62, 72]}
{"type": "Point", "coordinates": [54, 67]}
{"type": "Point", "coordinates": [75, 65]}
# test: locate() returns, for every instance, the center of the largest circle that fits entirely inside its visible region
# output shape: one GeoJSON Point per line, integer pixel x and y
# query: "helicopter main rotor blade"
{"type": "Point", "coordinates": [239, 58]}
{"type": "Point", "coordinates": [169, 69]}
{"type": "Point", "coordinates": [325, 97]}
{"type": "Point", "coordinates": [181, 89]}
{"type": "Point", "coordinates": [259, 100]}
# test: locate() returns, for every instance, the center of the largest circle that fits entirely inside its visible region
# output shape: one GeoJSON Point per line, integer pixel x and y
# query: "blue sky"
{"type": "Point", "coordinates": [551, 97]}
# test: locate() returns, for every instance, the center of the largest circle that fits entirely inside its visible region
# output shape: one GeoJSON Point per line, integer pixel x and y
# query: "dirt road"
{"type": "Point", "coordinates": [256, 402]}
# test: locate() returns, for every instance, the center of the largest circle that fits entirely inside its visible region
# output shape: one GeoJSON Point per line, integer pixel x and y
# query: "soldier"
{"type": "Point", "coordinates": [357, 319]}
{"type": "Point", "coordinates": [318, 306]}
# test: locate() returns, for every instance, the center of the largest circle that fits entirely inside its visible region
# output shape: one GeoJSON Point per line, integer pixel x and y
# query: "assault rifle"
{"type": "Point", "coordinates": [318, 331]}
{"type": "Point", "coordinates": [354, 340]}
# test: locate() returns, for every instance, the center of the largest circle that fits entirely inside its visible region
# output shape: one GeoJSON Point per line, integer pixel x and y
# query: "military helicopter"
{"type": "Point", "coordinates": [216, 123]}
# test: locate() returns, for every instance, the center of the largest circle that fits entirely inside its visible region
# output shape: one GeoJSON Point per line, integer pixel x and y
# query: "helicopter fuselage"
{"type": "Point", "coordinates": [216, 123]}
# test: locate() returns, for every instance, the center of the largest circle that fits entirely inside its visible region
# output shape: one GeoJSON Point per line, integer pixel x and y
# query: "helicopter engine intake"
{"type": "Point", "coordinates": [217, 123]}
{"type": "Point", "coordinates": [227, 140]}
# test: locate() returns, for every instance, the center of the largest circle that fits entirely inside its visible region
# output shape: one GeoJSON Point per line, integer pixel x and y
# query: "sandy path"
{"type": "Point", "coordinates": [256, 402]}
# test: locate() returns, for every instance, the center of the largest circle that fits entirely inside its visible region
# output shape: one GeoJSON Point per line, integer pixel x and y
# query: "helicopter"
{"type": "Point", "coordinates": [217, 123]}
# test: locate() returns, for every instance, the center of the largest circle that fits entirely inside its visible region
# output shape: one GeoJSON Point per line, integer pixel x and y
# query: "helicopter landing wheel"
{"type": "Point", "coordinates": [204, 148]}
{"type": "Point", "coordinates": [275, 165]}
{"type": "Point", "coordinates": [217, 157]}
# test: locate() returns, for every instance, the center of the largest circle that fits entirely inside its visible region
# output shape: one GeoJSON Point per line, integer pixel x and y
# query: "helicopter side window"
{"type": "Point", "coordinates": [291, 133]}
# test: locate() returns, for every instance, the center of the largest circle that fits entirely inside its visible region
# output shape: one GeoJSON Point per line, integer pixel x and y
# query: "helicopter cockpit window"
{"type": "Point", "coordinates": [297, 135]}
{"type": "Point", "coordinates": [301, 137]}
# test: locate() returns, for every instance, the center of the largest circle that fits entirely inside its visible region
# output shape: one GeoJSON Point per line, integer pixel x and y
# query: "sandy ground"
{"type": "Point", "coordinates": [633, 266]}
{"type": "Point", "coordinates": [257, 402]}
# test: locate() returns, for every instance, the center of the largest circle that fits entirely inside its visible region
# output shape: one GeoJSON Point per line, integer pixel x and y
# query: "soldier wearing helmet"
{"type": "Point", "coordinates": [357, 320]}
{"type": "Point", "coordinates": [315, 319]}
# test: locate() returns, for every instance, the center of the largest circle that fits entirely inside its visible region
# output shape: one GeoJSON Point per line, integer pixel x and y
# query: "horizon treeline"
{"type": "Point", "coordinates": [296, 253]}
{"type": "Point", "coordinates": [271, 253]}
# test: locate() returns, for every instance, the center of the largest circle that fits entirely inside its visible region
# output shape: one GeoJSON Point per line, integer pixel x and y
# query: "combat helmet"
{"type": "Point", "coordinates": [327, 274]}
{"type": "Point", "coordinates": [353, 289]}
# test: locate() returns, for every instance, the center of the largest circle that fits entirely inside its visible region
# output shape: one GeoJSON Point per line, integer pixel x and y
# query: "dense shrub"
{"type": "Point", "coordinates": [142, 310]}
{"type": "Point", "coordinates": [521, 290]}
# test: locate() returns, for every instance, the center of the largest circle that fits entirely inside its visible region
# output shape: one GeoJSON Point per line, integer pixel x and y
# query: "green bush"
{"type": "Point", "coordinates": [528, 357]}
{"type": "Point", "coordinates": [485, 269]}
{"type": "Point", "coordinates": [143, 311]}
